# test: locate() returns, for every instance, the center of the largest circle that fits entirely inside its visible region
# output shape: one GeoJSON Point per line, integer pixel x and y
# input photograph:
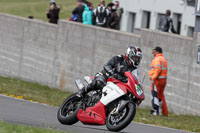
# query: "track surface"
{"type": "Point", "coordinates": [35, 114]}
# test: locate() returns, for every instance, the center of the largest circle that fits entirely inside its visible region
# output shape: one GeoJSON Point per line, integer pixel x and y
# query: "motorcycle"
{"type": "Point", "coordinates": [114, 106]}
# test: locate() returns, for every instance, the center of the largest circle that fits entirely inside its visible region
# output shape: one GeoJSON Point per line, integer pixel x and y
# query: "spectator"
{"type": "Point", "coordinates": [79, 11]}
{"type": "Point", "coordinates": [87, 15]}
{"type": "Point", "coordinates": [158, 76]}
{"type": "Point", "coordinates": [53, 13]}
{"type": "Point", "coordinates": [166, 23]}
{"type": "Point", "coordinates": [119, 12]}
{"type": "Point", "coordinates": [100, 15]}
{"type": "Point", "coordinates": [113, 19]}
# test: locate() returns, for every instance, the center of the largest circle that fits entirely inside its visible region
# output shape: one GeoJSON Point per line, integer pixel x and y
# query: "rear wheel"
{"type": "Point", "coordinates": [67, 113]}
{"type": "Point", "coordinates": [117, 121]}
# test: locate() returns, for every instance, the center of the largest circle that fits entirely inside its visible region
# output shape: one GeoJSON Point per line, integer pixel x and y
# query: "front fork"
{"type": "Point", "coordinates": [120, 107]}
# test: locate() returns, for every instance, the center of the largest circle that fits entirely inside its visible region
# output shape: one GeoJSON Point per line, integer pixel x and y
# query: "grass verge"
{"type": "Point", "coordinates": [31, 91]}
{"type": "Point", "coordinates": [182, 122]}
{"type": "Point", "coordinates": [13, 128]}
{"type": "Point", "coordinates": [45, 94]}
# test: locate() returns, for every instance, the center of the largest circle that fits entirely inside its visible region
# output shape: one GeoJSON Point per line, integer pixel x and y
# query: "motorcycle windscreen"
{"type": "Point", "coordinates": [110, 93]}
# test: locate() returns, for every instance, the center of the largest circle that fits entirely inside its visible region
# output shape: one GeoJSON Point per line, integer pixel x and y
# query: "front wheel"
{"type": "Point", "coordinates": [68, 110]}
{"type": "Point", "coordinates": [117, 121]}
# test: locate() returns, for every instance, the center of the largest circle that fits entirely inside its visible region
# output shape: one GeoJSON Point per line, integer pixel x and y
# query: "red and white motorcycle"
{"type": "Point", "coordinates": [114, 106]}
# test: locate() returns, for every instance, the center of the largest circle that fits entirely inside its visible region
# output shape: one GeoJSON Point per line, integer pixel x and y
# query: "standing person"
{"type": "Point", "coordinates": [53, 13]}
{"type": "Point", "coordinates": [166, 23]}
{"type": "Point", "coordinates": [100, 15]}
{"type": "Point", "coordinates": [158, 77]}
{"type": "Point", "coordinates": [113, 19]}
{"type": "Point", "coordinates": [119, 12]}
{"type": "Point", "coordinates": [87, 15]}
{"type": "Point", "coordinates": [115, 67]}
{"type": "Point", "coordinates": [79, 10]}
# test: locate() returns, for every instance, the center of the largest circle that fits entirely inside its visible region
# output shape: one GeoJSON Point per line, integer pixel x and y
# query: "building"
{"type": "Point", "coordinates": [147, 13]}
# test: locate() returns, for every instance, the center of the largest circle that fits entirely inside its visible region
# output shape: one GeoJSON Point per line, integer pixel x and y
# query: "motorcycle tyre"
{"type": "Point", "coordinates": [125, 122]}
{"type": "Point", "coordinates": [70, 120]}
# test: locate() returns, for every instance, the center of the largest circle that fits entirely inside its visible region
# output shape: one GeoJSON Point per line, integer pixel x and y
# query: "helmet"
{"type": "Point", "coordinates": [133, 55]}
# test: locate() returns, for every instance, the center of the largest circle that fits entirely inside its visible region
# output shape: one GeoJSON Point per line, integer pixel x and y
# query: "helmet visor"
{"type": "Point", "coordinates": [136, 59]}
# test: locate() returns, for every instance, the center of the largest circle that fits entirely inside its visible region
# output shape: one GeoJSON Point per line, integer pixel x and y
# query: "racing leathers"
{"type": "Point", "coordinates": [115, 68]}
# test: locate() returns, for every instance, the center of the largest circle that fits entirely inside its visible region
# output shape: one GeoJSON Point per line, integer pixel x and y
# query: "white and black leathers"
{"type": "Point", "coordinates": [115, 67]}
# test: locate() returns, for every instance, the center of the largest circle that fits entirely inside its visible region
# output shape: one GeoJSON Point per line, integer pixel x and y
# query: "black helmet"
{"type": "Point", "coordinates": [133, 55]}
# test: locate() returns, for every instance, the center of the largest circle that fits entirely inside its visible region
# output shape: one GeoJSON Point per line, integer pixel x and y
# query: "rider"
{"type": "Point", "coordinates": [115, 67]}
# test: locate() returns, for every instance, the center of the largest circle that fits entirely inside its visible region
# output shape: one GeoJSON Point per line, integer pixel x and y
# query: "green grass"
{"type": "Point", "coordinates": [37, 8]}
{"type": "Point", "coordinates": [32, 91]}
{"type": "Point", "coordinates": [183, 122]}
{"type": "Point", "coordinates": [13, 128]}
{"type": "Point", "coordinates": [52, 96]}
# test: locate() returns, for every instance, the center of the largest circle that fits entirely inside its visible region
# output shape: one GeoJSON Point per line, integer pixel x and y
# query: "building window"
{"type": "Point", "coordinates": [159, 15]}
{"type": "Point", "coordinates": [198, 55]}
{"type": "Point", "coordinates": [190, 31]}
{"type": "Point", "coordinates": [177, 22]}
{"type": "Point", "coordinates": [146, 17]}
{"type": "Point", "coordinates": [131, 22]}
{"type": "Point", "coordinates": [191, 3]}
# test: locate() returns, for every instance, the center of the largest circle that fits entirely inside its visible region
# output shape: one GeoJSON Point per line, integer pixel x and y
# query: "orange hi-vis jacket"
{"type": "Point", "coordinates": [158, 68]}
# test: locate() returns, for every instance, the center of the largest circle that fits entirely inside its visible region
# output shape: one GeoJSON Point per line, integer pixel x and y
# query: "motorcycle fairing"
{"type": "Point", "coordinates": [134, 87]}
{"type": "Point", "coordinates": [95, 115]}
{"type": "Point", "coordinates": [110, 92]}
{"type": "Point", "coordinates": [114, 89]}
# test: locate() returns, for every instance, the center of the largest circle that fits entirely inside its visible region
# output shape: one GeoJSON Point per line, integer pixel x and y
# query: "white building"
{"type": "Point", "coordinates": [146, 14]}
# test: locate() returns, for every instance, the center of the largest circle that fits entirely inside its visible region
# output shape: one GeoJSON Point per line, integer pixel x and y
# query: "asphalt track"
{"type": "Point", "coordinates": [41, 115]}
